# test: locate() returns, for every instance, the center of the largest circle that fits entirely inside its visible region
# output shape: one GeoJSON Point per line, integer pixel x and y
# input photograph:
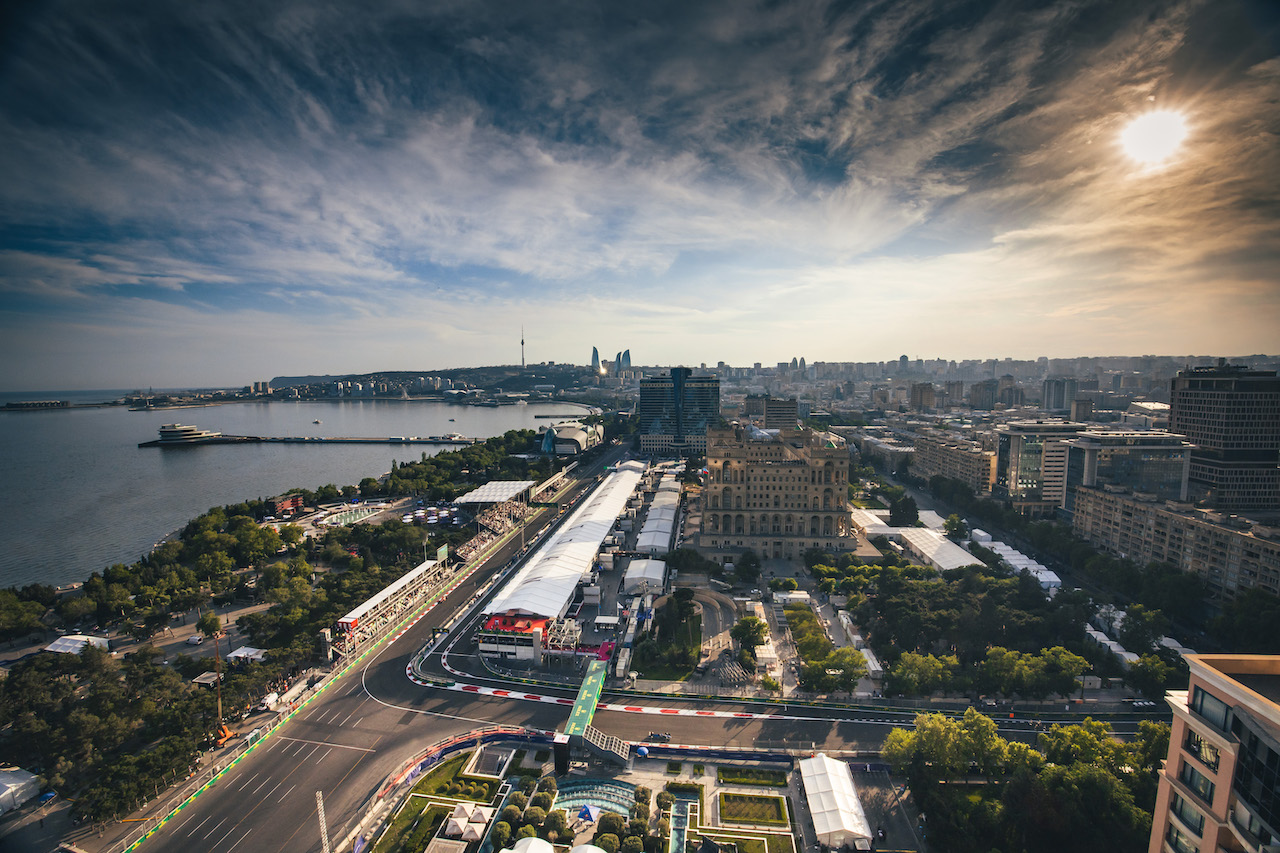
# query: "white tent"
{"type": "Point", "coordinates": [462, 812]}
{"type": "Point", "coordinates": [532, 845]}
{"type": "Point", "coordinates": [473, 832]}
{"type": "Point", "coordinates": [481, 814]}
{"type": "Point", "coordinates": [644, 576]}
{"type": "Point", "coordinates": [837, 814]}
{"type": "Point", "coordinates": [75, 643]}
{"type": "Point", "coordinates": [245, 653]}
{"type": "Point", "coordinates": [544, 586]}
{"type": "Point", "coordinates": [16, 787]}
{"type": "Point", "coordinates": [454, 827]}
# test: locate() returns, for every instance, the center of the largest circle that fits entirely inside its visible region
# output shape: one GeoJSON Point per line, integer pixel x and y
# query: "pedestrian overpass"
{"type": "Point", "coordinates": [578, 731]}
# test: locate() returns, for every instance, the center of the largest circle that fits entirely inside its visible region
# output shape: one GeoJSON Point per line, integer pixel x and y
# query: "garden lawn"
{"type": "Point", "coordinates": [745, 808]}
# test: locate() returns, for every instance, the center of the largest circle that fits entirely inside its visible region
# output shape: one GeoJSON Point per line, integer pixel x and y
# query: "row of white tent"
{"type": "Point", "coordinates": [467, 821]}
{"type": "Point", "coordinates": [1047, 578]}
{"type": "Point", "coordinates": [660, 520]}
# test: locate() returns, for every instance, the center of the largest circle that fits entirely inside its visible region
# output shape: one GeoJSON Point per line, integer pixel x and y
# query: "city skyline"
{"type": "Point", "coordinates": [196, 195]}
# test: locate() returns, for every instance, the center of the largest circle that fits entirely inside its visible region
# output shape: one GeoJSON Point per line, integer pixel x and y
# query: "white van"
{"type": "Point", "coordinates": [269, 701]}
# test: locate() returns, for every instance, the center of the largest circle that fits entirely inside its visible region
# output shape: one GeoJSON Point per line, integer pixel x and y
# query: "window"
{"type": "Point", "coordinates": [1206, 752]}
{"type": "Point", "coordinates": [1188, 815]}
{"type": "Point", "coordinates": [1179, 842]}
{"type": "Point", "coordinates": [1197, 782]}
{"type": "Point", "coordinates": [1211, 708]}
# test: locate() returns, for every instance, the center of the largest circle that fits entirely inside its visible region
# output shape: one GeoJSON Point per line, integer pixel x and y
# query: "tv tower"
{"type": "Point", "coordinates": [522, 347]}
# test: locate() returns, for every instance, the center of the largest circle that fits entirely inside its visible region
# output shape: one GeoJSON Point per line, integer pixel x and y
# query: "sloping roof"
{"type": "Point", "coordinates": [544, 585]}
{"type": "Point", "coordinates": [247, 653]}
{"type": "Point", "coordinates": [837, 814]}
{"type": "Point", "coordinates": [495, 492]}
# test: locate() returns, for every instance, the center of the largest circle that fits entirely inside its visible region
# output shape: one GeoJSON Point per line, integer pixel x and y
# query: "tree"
{"type": "Point", "coordinates": [851, 665]}
{"type": "Point", "coordinates": [954, 527]}
{"type": "Point", "coordinates": [543, 800]}
{"type": "Point", "coordinates": [982, 744]}
{"type": "Point", "coordinates": [209, 625]}
{"type": "Point", "coordinates": [526, 831]}
{"type": "Point", "coordinates": [903, 512]}
{"type": "Point", "coordinates": [607, 842]}
{"type": "Point", "coordinates": [633, 844]}
{"type": "Point", "coordinates": [1148, 675]}
{"type": "Point", "coordinates": [749, 632]}
{"type": "Point", "coordinates": [511, 815]}
{"type": "Point", "coordinates": [748, 567]}
{"type": "Point", "coordinates": [1089, 742]}
{"type": "Point", "coordinates": [519, 800]}
{"type": "Point", "coordinates": [501, 834]}
{"type": "Point", "coordinates": [535, 815]}
{"type": "Point", "coordinates": [920, 675]}
{"type": "Point", "coordinates": [611, 824]}
{"type": "Point", "coordinates": [556, 821]}
{"type": "Point", "coordinates": [1141, 629]}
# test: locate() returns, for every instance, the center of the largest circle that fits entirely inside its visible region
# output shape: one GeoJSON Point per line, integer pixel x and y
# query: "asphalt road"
{"type": "Point", "coordinates": [368, 723]}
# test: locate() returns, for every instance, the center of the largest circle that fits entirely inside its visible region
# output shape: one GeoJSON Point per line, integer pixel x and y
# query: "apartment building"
{"type": "Point", "coordinates": [949, 455]}
{"type": "Point", "coordinates": [1230, 554]}
{"type": "Point", "coordinates": [1220, 786]}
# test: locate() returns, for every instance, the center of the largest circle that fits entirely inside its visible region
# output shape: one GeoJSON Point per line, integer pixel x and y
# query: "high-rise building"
{"type": "Point", "coordinates": [1059, 392]}
{"type": "Point", "coordinates": [923, 397]}
{"type": "Point", "coordinates": [955, 392]}
{"type": "Point", "coordinates": [675, 411]}
{"type": "Point", "coordinates": [1081, 410]}
{"type": "Point", "coordinates": [1232, 415]}
{"type": "Point", "coordinates": [1220, 786]}
{"type": "Point", "coordinates": [982, 395]}
{"type": "Point", "coordinates": [595, 360]}
{"type": "Point", "coordinates": [777, 494]}
{"type": "Point", "coordinates": [1153, 463]}
{"type": "Point", "coordinates": [626, 359]}
{"type": "Point", "coordinates": [1031, 464]}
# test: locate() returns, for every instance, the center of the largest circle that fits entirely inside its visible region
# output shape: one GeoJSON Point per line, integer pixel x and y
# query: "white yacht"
{"type": "Point", "coordinates": [182, 434]}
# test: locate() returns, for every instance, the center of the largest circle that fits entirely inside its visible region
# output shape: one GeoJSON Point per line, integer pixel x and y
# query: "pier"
{"type": "Point", "coordinates": [293, 439]}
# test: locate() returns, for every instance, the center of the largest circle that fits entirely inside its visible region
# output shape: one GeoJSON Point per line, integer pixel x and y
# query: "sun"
{"type": "Point", "coordinates": [1154, 137]}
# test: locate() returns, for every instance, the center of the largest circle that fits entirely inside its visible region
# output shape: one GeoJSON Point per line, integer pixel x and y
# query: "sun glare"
{"type": "Point", "coordinates": [1153, 138]}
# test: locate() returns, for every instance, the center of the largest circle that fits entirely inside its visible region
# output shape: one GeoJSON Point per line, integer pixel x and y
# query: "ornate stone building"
{"type": "Point", "coordinates": [777, 494]}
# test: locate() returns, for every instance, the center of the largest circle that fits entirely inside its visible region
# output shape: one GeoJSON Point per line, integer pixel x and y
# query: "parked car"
{"type": "Point", "coordinates": [195, 639]}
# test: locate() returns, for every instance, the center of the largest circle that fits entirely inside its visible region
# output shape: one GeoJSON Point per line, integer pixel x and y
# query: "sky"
{"type": "Point", "coordinates": [213, 193]}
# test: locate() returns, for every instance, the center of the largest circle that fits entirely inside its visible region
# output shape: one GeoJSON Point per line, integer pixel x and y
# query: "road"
{"type": "Point", "coordinates": [369, 722]}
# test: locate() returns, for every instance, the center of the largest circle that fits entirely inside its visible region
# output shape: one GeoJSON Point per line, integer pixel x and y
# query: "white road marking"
{"type": "Point", "coordinates": [320, 743]}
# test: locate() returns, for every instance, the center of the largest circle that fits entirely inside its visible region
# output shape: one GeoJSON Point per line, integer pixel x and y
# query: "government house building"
{"type": "Point", "coordinates": [776, 492]}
